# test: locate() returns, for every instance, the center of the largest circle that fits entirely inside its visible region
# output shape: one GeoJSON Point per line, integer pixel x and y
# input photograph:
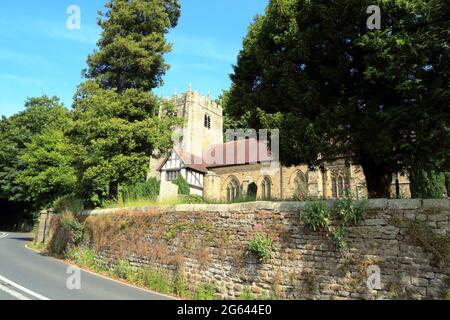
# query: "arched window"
{"type": "Point", "coordinates": [339, 185]}
{"type": "Point", "coordinates": [266, 189]}
{"type": "Point", "coordinates": [301, 184]}
{"type": "Point", "coordinates": [232, 190]}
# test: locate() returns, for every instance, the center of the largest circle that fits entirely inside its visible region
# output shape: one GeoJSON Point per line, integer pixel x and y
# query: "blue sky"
{"type": "Point", "coordinates": [40, 55]}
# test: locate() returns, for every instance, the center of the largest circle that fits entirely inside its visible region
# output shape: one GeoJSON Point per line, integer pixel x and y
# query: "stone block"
{"type": "Point", "coordinates": [377, 204]}
{"type": "Point", "coordinates": [405, 204]}
{"type": "Point", "coordinates": [436, 204]}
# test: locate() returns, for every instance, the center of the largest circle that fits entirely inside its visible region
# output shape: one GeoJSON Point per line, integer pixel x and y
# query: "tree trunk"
{"type": "Point", "coordinates": [378, 179]}
{"type": "Point", "coordinates": [113, 190]}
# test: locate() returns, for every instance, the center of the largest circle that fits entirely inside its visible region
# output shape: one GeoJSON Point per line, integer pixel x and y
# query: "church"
{"type": "Point", "coordinates": [226, 171]}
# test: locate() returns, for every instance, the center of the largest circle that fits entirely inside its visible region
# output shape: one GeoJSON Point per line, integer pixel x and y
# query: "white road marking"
{"type": "Point", "coordinates": [13, 293]}
{"type": "Point", "coordinates": [23, 289]}
{"type": "Point", "coordinates": [3, 235]}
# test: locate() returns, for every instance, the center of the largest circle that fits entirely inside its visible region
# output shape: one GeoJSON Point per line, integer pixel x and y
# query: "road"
{"type": "Point", "coordinates": [28, 275]}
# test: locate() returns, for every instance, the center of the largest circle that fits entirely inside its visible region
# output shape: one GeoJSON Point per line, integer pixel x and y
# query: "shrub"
{"type": "Point", "coordinates": [66, 230]}
{"type": "Point", "coordinates": [317, 215]}
{"type": "Point", "coordinates": [349, 210]}
{"type": "Point", "coordinates": [338, 235]}
{"type": "Point", "coordinates": [192, 199]}
{"type": "Point", "coordinates": [68, 203]}
{"type": "Point", "coordinates": [83, 257]}
{"type": "Point", "coordinates": [206, 292]}
{"type": "Point", "coordinates": [247, 295]}
{"type": "Point", "coordinates": [148, 190]}
{"type": "Point", "coordinates": [155, 280]}
{"type": "Point", "coordinates": [125, 271]}
{"type": "Point", "coordinates": [75, 228]}
{"type": "Point", "coordinates": [180, 287]}
{"type": "Point", "coordinates": [261, 243]}
{"type": "Point", "coordinates": [183, 186]}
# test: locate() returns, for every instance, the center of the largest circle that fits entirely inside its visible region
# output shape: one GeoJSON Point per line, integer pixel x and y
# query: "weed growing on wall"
{"type": "Point", "coordinates": [350, 212]}
{"type": "Point", "coordinates": [318, 216]}
{"type": "Point", "coordinates": [437, 245]}
{"type": "Point", "coordinates": [75, 228]}
{"type": "Point", "coordinates": [67, 231]}
{"type": "Point", "coordinates": [261, 242]}
{"type": "Point", "coordinates": [247, 294]}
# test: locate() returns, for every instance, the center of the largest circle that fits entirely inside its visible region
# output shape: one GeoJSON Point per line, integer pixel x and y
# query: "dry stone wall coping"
{"type": "Point", "coordinates": [287, 206]}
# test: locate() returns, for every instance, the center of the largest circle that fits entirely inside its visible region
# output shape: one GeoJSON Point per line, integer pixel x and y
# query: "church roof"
{"type": "Point", "coordinates": [234, 153]}
{"type": "Point", "coordinates": [240, 152]}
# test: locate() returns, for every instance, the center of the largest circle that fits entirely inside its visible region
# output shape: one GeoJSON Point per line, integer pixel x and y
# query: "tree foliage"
{"type": "Point", "coordinates": [427, 184]}
{"type": "Point", "coordinates": [48, 152]}
{"type": "Point", "coordinates": [132, 46]}
{"type": "Point", "coordinates": [118, 132]}
{"type": "Point", "coordinates": [378, 98]}
{"type": "Point", "coordinates": [30, 143]}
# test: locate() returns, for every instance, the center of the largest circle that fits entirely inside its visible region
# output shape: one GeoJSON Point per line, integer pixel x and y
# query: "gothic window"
{"type": "Point", "coordinates": [339, 184]}
{"type": "Point", "coordinates": [232, 190]}
{"type": "Point", "coordinates": [207, 121]}
{"type": "Point", "coordinates": [301, 184]}
{"type": "Point", "coordinates": [266, 189]}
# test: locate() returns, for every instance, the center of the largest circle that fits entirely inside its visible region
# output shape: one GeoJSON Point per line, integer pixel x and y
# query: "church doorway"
{"type": "Point", "coordinates": [252, 191]}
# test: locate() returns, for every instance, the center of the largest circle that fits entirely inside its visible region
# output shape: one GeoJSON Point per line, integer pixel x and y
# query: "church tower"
{"type": "Point", "coordinates": [203, 125]}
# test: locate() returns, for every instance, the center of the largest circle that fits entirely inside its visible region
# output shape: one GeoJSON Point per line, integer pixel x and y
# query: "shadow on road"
{"type": "Point", "coordinates": [27, 239]}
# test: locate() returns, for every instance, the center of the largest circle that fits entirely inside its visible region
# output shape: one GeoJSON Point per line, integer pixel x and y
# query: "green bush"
{"type": "Point", "coordinates": [427, 184]}
{"type": "Point", "coordinates": [125, 271]}
{"type": "Point", "coordinates": [180, 287]}
{"type": "Point", "coordinates": [338, 235]}
{"type": "Point", "coordinates": [192, 199]}
{"type": "Point", "coordinates": [349, 210]}
{"type": "Point", "coordinates": [83, 257]}
{"type": "Point", "coordinates": [261, 244]}
{"type": "Point", "coordinates": [183, 186]}
{"type": "Point", "coordinates": [66, 230]}
{"type": "Point", "coordinates": [317, 215]}
{"type": "Point", "coordinates": [206, 292]}
{"type": "Point", "coordinates": [247, 295]}
{"type": "Point", "coordinates": [75, 228]}
{"type": "Point", "coordinates": [155, 280]}
{"type": "Point", "coordinates": [68, 203]}
{"type": "Point", "coordinates": [148, 190]}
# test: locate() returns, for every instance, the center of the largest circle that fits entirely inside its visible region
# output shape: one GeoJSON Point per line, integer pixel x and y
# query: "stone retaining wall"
{"type": "Point", "coordinates": [209, 243]}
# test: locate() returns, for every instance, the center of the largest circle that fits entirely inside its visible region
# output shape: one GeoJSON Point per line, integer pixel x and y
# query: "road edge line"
{"type": "Point", "coordinates": [23, 289]}
{"type": "Point", "coordinates": [13, 293]}
{"type": "Point", "coordinates": [66, 262]}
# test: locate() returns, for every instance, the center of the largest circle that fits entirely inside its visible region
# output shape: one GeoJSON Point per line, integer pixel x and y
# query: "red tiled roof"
{"type": "Point", "coordinates": [240, 152]}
